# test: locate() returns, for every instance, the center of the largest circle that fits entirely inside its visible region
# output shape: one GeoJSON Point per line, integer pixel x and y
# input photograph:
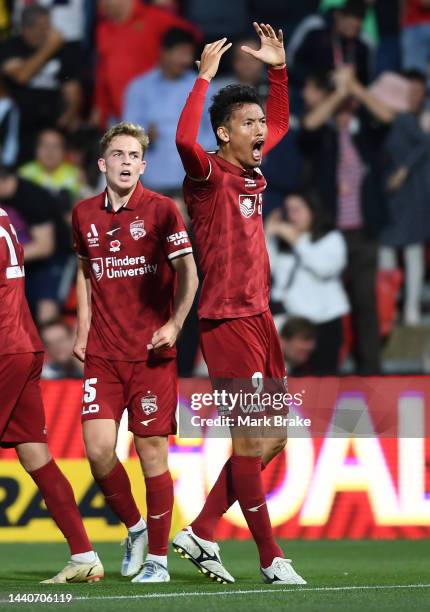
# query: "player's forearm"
{"type": "Point", "coordinates": [278, 107]}
{"type": "Point", "coordinates": [192, 155]}
{"type": "Point", "coordinates": [186, 289]}
{"type": "Point", "coordinates": [83, 297]}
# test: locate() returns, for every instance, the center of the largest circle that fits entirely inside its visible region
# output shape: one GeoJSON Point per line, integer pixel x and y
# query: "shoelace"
{"type": "Point", "coordinates": [282, 568]}
{"type": "Point", "coordinates": [151, 567]}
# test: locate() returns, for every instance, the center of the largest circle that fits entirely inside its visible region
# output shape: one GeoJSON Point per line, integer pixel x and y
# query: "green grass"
{"type": "Point", "coordinates": [325, 565]}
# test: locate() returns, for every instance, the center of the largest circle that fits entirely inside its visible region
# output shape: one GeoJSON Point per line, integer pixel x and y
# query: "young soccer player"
{"type": "Point", "coordinates": [223, 192]}
{"type": "Point", "coordinates": [22, 417]}
{"type": "Point", "coordinates": [133, 252]}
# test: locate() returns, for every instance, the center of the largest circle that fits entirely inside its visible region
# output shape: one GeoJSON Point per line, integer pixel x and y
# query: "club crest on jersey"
{"type": "Point", "coordinates": [149, 404]}
{"type": "Point", "coordinates": [137, 229]}
{"type": "Point", "coordinates": [247, 204]}
{"type": "Point", "coordinates": [97, 267]}
{"type": "Point", "coordinates": [115, 246]}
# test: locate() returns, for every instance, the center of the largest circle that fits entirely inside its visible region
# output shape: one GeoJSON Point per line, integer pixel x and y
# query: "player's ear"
{"type": "Point", "coordinates": [142, 167]}
{"type": "Point", "coordinates": [222, 133]}
{"type": "Point", "coordinates": [102, 164]}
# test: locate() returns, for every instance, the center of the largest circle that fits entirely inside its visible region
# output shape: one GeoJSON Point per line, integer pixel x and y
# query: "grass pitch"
{"type": "Point", "coordinates": [342, 575]}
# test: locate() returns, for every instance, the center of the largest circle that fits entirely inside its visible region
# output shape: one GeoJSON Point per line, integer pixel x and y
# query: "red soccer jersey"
{"type": "Point", "coordinates": [415, 13]}
{"type": "Point", "coordinates": [18, 332]}
{"type": "Point", "coordinates": [132, 279]}
{"type": "Point", "coordinates": [226, 211]}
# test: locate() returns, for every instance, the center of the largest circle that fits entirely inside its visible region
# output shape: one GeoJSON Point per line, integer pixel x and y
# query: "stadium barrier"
{"type": "Point", "coordinates": [321, 486]}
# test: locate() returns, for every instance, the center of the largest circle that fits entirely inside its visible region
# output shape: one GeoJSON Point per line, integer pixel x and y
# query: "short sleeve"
{"type": "Point", "coordinates": [78, 244]}
{"type": "Point", "coordinates": [176, 241]}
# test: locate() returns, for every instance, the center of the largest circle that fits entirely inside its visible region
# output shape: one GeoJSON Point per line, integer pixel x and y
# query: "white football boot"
{"type": "Point", "coordinates": [136, 545]}
{"type": "Point", "coordinates": [78, 572]}
{"type": "Point", "coordinates": [281, 572]}
{"type": "Point", "coordinates": [152, 571]}
{"type": "Point", "coordinates": [203, 554]}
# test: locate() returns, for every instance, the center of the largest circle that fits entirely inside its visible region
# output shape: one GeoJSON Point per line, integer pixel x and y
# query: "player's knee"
{"type": "Point", "coordinates": [101, 455]}
{"type": "Point", "coordinates": [152, 454]}
{"type": "Point", "coordinates": [33, 456]}
{"type": "Point", "coordinates": [279, 445]}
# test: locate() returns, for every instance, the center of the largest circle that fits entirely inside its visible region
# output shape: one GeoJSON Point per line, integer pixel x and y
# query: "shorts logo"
{"type": "Point", "coordinates": [97, 267]}
{"type": "Point", "coordinates": [149, 404]}
{"type": "Point", "coordinates": [115, 246]}
{"type": "Point", "coordinates": [137, 229]}
{"type": "Point", "coordinates": [247, 205]}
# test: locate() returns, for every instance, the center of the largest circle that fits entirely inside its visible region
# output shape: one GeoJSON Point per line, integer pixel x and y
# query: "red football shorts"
{"type": "Point", "coordinates": [239, 348]}
{"type": "Point", "coordinates": [22, 416]}
{"type": "Point", "coordinates": [148, 389]}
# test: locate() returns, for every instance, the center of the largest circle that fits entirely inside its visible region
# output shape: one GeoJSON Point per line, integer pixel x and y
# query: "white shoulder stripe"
{"type": "Point", "coordinates": [203, 179]}
{"type": "Point", "coordinates": [180, 252]}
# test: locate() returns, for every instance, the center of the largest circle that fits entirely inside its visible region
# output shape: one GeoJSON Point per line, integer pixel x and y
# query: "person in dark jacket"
{"type": "Point", "coordinates": [341, 139]}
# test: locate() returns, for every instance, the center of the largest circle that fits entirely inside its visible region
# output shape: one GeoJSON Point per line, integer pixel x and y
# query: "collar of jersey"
{"type": "Point", "coordinates": [131, 202]}
{"type": "Point", "coordinates": [235, 169]}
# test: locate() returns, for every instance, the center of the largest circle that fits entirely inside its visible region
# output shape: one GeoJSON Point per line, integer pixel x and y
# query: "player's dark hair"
{"type": "Point", "coordinates": [354, 8]}
{"type": "Point", "coordinates": [298, 327]}
{"type": "Point", "coordinates": [229, 99]}
{"type": "Point", "coordinates": [177, 36]}
{"type": "Point", "coordinates": [31, 13]}
{"type": "Point", "coordinates": [413, 74]}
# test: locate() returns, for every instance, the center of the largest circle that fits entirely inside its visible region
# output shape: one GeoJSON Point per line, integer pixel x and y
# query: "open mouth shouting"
{"type": "Point", "coordinates": [257, 150]}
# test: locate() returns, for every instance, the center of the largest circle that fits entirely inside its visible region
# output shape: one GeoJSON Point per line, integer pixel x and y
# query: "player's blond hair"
{"type": "Point", "coordinates": [124, 129]}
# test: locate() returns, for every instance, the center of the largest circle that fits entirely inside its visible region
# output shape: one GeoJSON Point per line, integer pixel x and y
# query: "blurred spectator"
{"type": "Point", "coordinates": [416, 35]}
{"type": "Point", "coordinates": [9, 128]}
{"type": "Point", "coordinates": [67, 16]}
{"type": "Point", "coordinates": [298, 341]}
{"type": "Point", "coordinates": [58, 339]}
{"type": "Point", "coordinates": [343, 151]}
{"type": "Point", "coordinates": [129, 35]}
{"type": "Point", "coordinates": [170, 82]}
{"type": "Point", "coordinates": [388, 52]}
{"type": "Point", "coordinates": [407, 150]}
{"type": "Point", "coordinates": [323, 43]}
{"type": "Point", "coordinates": [286, 14]}
{"type": "Point", "coordinates": [246, 70]}
{"type": "Point", "coordinates": [47, 249]}
{"type": "Point", "coordinates": [307, 259]}
{"type": "Point", "coordinates": [50, 168]}
{"type": "Point", "coordinates": [218, 19]}
{"type": "Point", "coordinates": [42, 76]}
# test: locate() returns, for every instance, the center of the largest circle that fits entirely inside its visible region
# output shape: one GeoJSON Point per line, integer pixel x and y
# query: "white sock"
{"type": "Point", "coordinates": [139, 526]}
{"type": "Point", "coordinates": [161, 559]}
{"type": "Point", "coordinates": [85, 557]}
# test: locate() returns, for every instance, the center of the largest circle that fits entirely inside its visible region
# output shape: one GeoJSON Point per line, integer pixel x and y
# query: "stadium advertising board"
{"type": "Point", "coordinates": [322, 486]}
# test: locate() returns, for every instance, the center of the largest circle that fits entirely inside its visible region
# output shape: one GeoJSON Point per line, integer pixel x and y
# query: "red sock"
{"type": "Point", "coordinates": [248, 485]}
{"type": "Point", "coordinates": [219, 500]}
{"type": "Point", "coordinates": [159, 502]}
{"type": "Point", "coordinates": [116, 488]}
{"type": "Point", "coordinates": [61, 504]}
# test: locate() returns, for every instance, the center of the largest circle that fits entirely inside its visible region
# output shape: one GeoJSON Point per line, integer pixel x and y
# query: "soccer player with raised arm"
{"type": "Point", "coordinates": [136, 283]}
{"type": "Point", "coordinates": [22, 415]}
{"type": "Point", "coordinates": [224, 193]}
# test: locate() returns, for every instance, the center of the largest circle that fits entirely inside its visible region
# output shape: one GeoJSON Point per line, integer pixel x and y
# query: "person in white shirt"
{"type": "Point", "coordinates": [307, 259]}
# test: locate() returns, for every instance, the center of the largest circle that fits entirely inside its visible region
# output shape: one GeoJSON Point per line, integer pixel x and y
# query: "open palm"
{"type": "Point", "coordinates": [272, 50]}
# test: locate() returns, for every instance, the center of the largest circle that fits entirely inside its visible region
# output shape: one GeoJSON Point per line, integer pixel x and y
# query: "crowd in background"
{"type": "Point", "coordinates": [347, 209]}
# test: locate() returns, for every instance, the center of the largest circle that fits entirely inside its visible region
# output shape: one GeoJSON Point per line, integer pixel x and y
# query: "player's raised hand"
{"type": "Point", "coordinates": [272, 50]}
{"type": "Point", "coordinates": [210, 59]}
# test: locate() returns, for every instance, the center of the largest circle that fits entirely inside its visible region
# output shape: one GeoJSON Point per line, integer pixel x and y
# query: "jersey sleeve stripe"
{"type": "Point", "coordinates": [180, 252]}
